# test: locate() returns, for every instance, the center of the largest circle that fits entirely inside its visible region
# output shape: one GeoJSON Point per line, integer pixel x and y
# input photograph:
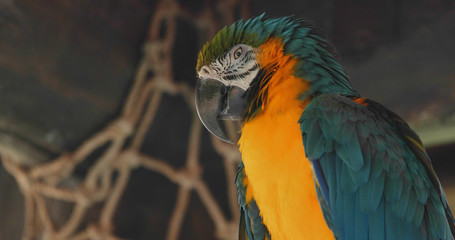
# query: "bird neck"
{"type": "Point", "coordinates": [275, 85]}
{"type": "Point", "coordinates": [306, 57]}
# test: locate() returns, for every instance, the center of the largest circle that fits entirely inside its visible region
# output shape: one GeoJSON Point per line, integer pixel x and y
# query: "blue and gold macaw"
{"type": "Point", "coordinates": [318, 160]}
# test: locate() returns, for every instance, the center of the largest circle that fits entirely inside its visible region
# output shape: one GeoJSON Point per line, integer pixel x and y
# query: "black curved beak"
{"type": "Point", "coordinates": [216, 101]}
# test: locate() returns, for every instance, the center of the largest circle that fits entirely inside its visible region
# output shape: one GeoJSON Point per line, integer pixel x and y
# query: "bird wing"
{"type": "Point", "coordinates": [244, 232]}
{"type": "Point", "coordinates": [373, 177]}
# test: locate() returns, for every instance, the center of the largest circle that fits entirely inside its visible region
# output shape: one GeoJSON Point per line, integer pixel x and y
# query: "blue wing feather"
{"type": "Point", "coordinates": [372, 172]}
{"type": "Point", "coordinates": [321, 181]}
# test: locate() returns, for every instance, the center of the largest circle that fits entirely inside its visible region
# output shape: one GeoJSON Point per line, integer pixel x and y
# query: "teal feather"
{"type": "Point", "coordinates": [363, 129]}
{"type": "Point", "coordinates": [380, 183]}
{"type": "Point", "coordinates": [394, 169]}
{"type": "Point", "coordinates": [412, 206]}
{"type": "Point", "coordinates": [371, 193]}
{"type": "Point", "coordinates": [258, 228]}
{"type": "Point", "coordinates": [321, 183]}
{"type": "Point", "coordinates": [241, 188]}
{"type": "Point", "coordinates": [400, 205]}
{"type": "Point", "coordinates": [387, 164]}
{"type": "Point", "coordinates": [331, 127]}
{"type": "Point", "coordinates": [379, 143]}
{"type": "Point", "coordinates": [413, 166]}
{"type": "Point", "coordinates": [315, 141]}
{"type": "Point", "coordinates": [422, 195]}
{"type": "Point", "coordinates": [326, 125]}
{"type": "Point", "coordinates": [329, 145]}
{"type": "Point", "coordinates": [346, 179]}
{"type": "Point", "coordinates": [393, 188]}
{"type": "Point", "coordinates": [377, 164]}
{"type": "Point", "coordinates": [244, 231]}
{"type": "Point", "coordinates": [367, 152]}
{"type": "Point", "coordinates": [436, 225]}
{"type": "Point", "coordinates": [361, 176]}
{"type": "Point", "coordinates": [337, 198]}
{"type": "Point", "coordinates": [376, 223]}
{"type": "Point", "coordinates": [361, 221]}
{"type": "Point", "coordinates": [348, 215]}
{"type": "Point", "coordinates": [324, 207]}
{"type": "Point", "coordinates": [345, 133]}
{"type": "Point", "coordinates": [418, 181]}
{"type": "Point", "coordinates": [326, 162]}
{"type": "Point", "coordinates": [393, 226]}
{"type": "Point", "coordinates": [333, 118]}
{"type": "Point", "coordinates": [351, 154]}
{"type": "Point", "coordinates": [418, 215]}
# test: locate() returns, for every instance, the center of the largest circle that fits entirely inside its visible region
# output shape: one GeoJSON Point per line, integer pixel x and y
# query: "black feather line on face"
{"type": "Point", "coordinates": [252, 94]}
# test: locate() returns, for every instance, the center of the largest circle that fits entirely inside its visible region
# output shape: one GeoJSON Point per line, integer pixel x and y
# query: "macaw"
{"type": "Point", "coordinates": [318, 160]}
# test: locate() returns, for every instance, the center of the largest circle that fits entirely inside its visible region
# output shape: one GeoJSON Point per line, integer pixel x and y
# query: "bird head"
{"type": "Point", "coordinates": [235, 67]}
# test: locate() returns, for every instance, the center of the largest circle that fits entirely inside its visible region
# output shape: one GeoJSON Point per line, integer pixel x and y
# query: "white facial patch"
{"type": "Point", "coordinates": [238, 67]}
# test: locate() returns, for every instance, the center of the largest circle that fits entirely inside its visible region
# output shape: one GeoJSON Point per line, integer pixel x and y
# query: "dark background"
{"type": "Point", "coordinates": [66, 67]}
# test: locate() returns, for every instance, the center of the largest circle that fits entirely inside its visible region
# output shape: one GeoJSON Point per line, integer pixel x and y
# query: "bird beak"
{"type": "Point", "coordinates": [216, 101]}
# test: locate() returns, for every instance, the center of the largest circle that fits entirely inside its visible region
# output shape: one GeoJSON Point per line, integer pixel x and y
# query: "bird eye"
{"type": "Point", "coordinates": [238, 53]}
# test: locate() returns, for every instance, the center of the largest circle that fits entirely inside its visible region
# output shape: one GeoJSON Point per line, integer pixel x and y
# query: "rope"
{"type": "Point", "coordinates": [40, 182]}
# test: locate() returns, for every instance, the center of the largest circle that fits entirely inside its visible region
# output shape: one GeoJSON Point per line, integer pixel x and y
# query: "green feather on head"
{"type": "Point", "coordinates": [300, 39]}
{"type": "Point", "coordinates": [229, 36]}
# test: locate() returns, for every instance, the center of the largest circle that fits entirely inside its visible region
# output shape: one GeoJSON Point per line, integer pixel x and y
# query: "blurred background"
{"type": "Point", "coordinates": [98, 134]}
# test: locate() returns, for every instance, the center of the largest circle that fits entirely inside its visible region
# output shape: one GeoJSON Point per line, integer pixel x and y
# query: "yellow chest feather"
{"type": "Point", "coordinates": [279, 176]}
